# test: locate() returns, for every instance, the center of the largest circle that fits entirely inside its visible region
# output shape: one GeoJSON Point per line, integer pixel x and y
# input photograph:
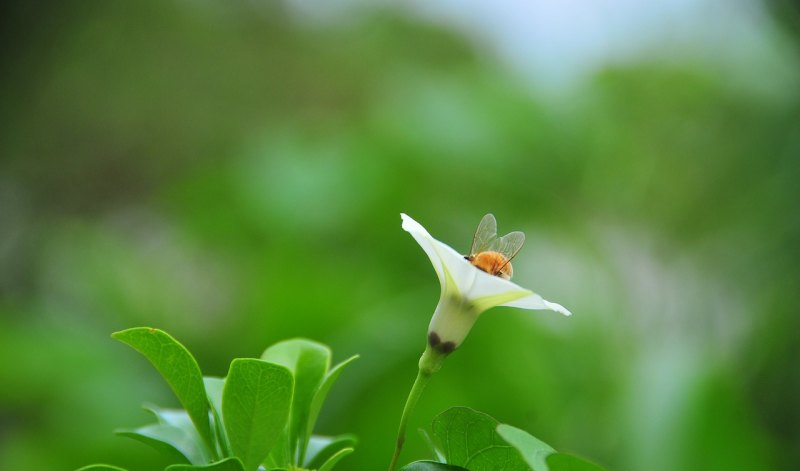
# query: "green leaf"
{"type": "Point", "coordinates": [229, 464]}
{"type": "Point", "coordinates": [320, 449]}
{"type": "Point", "coordinates": [309, 362]}
{"type": "Point", "coordinates": [214, 388]}
{"type": "Point", "coordinates": [280, 456]}
{"type": "Point", "coordinates": [322, 392]}
{"type": "Point", "coordinates": [179, 369]}
{"type": "Point", "coordinates": [429, 441]}
{"type": "Point", "coordinates": [169, 440]}
{"type": "Point", "coordinates": [255, 408]}
{"type": "Point", "coordinates": [328, 466]}
{"type": "Point", "coordinates": [176, 418]}
{"type": "Point", "coordinates": [565, 462]}
{"type": "Point", "coordinates": [533, 450]}
{"type": "Point", "coordinates": [100, 467]}
{"type": "Point", "coordinates": [173, 435]}
{"type": "Point", "coordinates": [431, 466]}
{"type": "Point", "coordinates": [468, 438]}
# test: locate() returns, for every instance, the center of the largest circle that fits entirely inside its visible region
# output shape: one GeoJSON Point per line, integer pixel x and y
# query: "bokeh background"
{"type": "Point", "coordinates": [233, 172]}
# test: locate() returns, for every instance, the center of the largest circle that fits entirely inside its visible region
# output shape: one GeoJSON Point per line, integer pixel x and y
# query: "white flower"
{"type": "Point", "coordinates": [466, 292]}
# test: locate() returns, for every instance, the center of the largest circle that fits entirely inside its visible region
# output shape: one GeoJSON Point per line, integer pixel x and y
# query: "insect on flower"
{"type": "Point", "coordinates": [473, 283]}
{"type": "Point", "coordinates": [470, 284]}
{"type": "Point", "coordinates": [493, 254]}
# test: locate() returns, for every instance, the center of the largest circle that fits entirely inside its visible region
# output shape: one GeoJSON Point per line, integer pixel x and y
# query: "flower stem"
{"type": "Point", "coordinates": [411, 402]}
{"type": "Point", "coordinates": [429, 364]}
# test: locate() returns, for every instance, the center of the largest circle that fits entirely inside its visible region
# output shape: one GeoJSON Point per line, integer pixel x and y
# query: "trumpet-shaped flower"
{"type": "Point", "coordinates": [466, 292]}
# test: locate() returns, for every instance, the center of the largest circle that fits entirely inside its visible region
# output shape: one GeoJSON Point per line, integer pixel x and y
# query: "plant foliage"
{"type": "Point", "coordinates": [260, 417]}
{"type": "Point", "coordinates": [465, 439]}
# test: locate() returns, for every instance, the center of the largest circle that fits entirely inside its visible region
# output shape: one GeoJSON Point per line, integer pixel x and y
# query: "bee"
{"type": "Point", "coordinates": [493, 254]}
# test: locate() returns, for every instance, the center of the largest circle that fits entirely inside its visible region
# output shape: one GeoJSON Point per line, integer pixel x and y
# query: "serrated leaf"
{"type": "Point", "coordinates": [469, 438]}
{"type": "Point", "coordinates": [255, 408]}
{"type": "Point", "coordinates": [229, 464]}
{"type": "Point", "coordinates": [309, 362]}
{"type": "Point", "coordinates": [169, 440]}
{"type": "Point", "coordinates": [565, 462]}
{"type": "Point", "coordinates": [533, 450]}
{"type": "Point", "coordinates": [178, 368]}
{"type": "Point", "coordinates": [328, 465]}
{"type": "Point", "coordinates": [320, 449]}
{"type": "Point", "coordinates": [100, 467]}
{"type": "Point", "coordinates": [431, 466]}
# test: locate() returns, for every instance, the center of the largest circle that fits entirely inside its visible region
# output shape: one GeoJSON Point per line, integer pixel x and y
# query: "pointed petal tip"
{"type": "Point", "coordinates": [410, 225]}
{"type": "Point", "coordinates": [558, 308]}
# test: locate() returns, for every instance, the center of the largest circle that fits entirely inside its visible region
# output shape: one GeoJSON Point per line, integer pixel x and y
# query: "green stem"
{"type": "Point", "coordinates": [429, 364]}
{"type": "Point", "coordinates": [411, 402]}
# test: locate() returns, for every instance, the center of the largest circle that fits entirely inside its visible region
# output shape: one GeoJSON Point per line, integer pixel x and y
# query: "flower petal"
{"type": "Point", "coordinates": [459, 277]}
{"type": "Point", "coordinates": [426, 241]}
{"type": "Point", "coordinates": [489, 291]}
{"type": "Point", "coordinates": [461, 272]}
{"type": "Point", "coordinates": [534, 301]}
{"type": "Point", "coordinates": [455, 274]}
{"type": "Point", "coordinates": [490, 285]}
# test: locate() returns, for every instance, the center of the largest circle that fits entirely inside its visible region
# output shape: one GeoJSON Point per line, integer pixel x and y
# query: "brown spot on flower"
{"type": "Point", "coordinates": [436, 342]}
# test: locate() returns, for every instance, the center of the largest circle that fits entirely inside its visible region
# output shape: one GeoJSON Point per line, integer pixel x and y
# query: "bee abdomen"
{"type": "Point", "coordinates": [493, 263]}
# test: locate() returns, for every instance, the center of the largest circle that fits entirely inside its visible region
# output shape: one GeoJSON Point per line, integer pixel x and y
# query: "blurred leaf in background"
{"type": "Point", "coordinates": [233, 173]}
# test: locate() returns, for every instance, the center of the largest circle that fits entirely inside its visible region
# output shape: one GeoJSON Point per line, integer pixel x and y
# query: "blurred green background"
{"type": "Point", "coordinates": [233, 172]}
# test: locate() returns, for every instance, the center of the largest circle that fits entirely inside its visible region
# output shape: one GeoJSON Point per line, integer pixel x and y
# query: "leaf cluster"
{"type": "Point", "coordinates": [260, 417]}
{"type": "Point", "coordinates": [463, 439]}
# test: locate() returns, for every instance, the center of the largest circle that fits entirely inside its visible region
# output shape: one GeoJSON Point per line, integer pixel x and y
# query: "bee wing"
{"type": "Point", "coordinates": [485, 234]}
{"type": "Point", "coordinates": [508, 245]}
